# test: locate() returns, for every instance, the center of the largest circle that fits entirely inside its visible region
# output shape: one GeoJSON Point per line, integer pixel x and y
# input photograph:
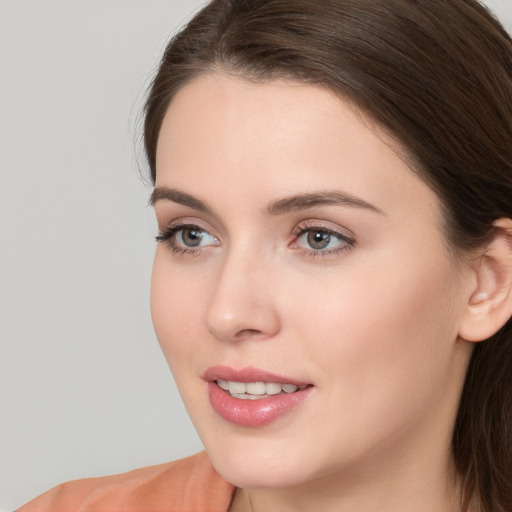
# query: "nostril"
{"type": "Point", "coordinates": [249, 333]}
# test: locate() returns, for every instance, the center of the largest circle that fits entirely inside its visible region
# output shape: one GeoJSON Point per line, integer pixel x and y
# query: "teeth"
{"type": "Point", "coordinates": [224, 384]}
{"type": "Point", "coordinates": [272, 389]}
{"type": "Point", "coordinates": [237, 387]}
{"type": "Point", "coordinates": [246, 396]}
{"type": "Point", "coordinates": [256, 390]}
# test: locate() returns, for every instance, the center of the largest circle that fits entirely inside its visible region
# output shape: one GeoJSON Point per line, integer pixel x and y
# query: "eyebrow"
{"type": "Point", "coordinates": [179, 197]}
{"type": "Point", "coordinates": [321, 198]}
{"type": "Point", "coordinates": [277, 207]}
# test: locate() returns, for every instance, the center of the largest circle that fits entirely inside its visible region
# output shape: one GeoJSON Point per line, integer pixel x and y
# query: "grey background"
{"type": "Point", "coordinates": [84, 389]}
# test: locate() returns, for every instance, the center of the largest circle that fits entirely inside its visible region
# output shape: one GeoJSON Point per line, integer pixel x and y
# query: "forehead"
{"type": "Point", "coordinates": [280, 137]}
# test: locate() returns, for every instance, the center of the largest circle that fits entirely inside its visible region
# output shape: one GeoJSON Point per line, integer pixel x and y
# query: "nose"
{"type": "Point", "coordinates": [242, 305]}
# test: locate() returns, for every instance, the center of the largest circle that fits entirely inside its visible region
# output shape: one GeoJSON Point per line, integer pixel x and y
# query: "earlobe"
{"type": "Point", "coordinates": [490, 303]}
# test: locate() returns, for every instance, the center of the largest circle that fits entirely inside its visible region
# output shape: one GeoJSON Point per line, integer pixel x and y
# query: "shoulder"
{"type": "Point", "coordinates": [187, 485]}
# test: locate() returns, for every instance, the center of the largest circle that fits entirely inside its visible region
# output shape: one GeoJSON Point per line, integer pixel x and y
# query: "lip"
{"type": "Point", "coordinates": [247, 374]}
{"type": "Point", "coordinates": [252, 413]}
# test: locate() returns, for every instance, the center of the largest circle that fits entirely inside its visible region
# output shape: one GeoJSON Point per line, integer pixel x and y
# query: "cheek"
{"type": "Point", "coordinates": [379, 329]}
{"type": "Point", "coordinates": [379, 339]}
{"type": "Point", "coordinates": [175, 304]}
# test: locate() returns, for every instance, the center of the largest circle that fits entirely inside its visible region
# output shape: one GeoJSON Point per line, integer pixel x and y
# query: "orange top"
{"type": "Point", "coordinates": [187, 485]}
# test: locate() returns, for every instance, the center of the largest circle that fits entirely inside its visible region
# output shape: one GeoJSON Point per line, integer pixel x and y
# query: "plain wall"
{"type": "Point", "coordinates": [84, 388]}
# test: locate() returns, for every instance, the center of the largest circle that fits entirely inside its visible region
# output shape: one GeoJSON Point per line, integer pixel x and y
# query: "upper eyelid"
{"type": "Point", "coordinates": [183, 222]}
{"type": "Point", "coordinates": [311, 224]}
{"type": "Point", "coordinates": [319, 227]}
{"type": "Point", "coordinates": [168, 212]}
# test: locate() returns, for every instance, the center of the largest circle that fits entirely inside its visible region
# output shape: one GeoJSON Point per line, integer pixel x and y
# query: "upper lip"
{"type": "Point", "coordinates": [247, 374]}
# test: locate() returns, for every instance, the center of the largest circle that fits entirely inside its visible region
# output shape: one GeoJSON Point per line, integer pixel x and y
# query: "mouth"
{"type": "Point", "coordinates": [250, 397]}
{"type": "Point", "coordinates": [257, 390]}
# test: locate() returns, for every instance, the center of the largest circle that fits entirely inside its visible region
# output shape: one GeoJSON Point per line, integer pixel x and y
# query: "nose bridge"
{"type": "Point", "coordinates": [241, 304]}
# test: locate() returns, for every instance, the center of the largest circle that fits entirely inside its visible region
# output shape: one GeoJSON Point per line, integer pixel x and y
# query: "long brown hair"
{"type": "Point", "coordinates": [437, 74]}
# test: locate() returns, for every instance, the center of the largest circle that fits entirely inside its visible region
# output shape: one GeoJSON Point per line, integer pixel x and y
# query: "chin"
{"type": "Point", "coordinates": [256, 474]}
{"type": "Point", "coordinates": [259, 463]}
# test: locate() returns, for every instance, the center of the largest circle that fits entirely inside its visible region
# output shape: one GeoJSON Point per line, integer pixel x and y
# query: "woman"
{"type": "Point", "coordinates": [332, 286]}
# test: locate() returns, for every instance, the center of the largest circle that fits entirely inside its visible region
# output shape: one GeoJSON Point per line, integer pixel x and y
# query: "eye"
{"type": "Point", "coordinates": [321, 240]}
{"type": "Point", "coordinates": [186, 238]}
{"type": "Point", "coordinates": [193, 236]}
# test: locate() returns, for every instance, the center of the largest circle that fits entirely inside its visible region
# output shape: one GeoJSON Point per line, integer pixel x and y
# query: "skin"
{"type": "Point", "coordinates": [373, 325]}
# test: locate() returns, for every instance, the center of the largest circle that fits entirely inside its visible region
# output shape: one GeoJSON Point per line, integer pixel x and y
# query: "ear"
{"type": "Point", "coordinates": [490, 303]}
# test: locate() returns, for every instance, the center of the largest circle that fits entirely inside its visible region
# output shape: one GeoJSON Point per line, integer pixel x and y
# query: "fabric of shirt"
{"type": "Point", "coordinates": [187, 485]}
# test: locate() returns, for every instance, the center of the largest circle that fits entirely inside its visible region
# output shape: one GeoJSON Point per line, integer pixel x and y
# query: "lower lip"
{"type": "Point", "coordinates": [254, 413]}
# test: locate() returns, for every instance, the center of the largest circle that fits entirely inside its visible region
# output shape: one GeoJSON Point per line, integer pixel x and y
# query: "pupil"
{"type": "Point", "coordinates": [192, 237]}
{"type": "Point", "coordinates": [318, 239]}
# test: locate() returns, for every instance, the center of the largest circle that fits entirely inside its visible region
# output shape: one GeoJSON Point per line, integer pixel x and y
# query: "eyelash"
{"type": "Point", "coordinates": [307, 227]}
{"type": "Point", "coordinates": [168, 236]}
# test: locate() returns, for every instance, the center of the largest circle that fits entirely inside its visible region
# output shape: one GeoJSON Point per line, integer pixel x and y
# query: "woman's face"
{"type": "Point", "coordinates": [297, 248]}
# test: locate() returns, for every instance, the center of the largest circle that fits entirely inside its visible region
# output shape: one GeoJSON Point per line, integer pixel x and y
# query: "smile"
{"type": "Point", "coordinates": [257, 390]}
{"type": "Point", "coordinates": [250, 397]}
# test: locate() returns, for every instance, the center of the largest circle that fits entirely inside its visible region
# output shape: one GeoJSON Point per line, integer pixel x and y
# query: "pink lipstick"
{"type": "Point", "coordinates": [251, 397]}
